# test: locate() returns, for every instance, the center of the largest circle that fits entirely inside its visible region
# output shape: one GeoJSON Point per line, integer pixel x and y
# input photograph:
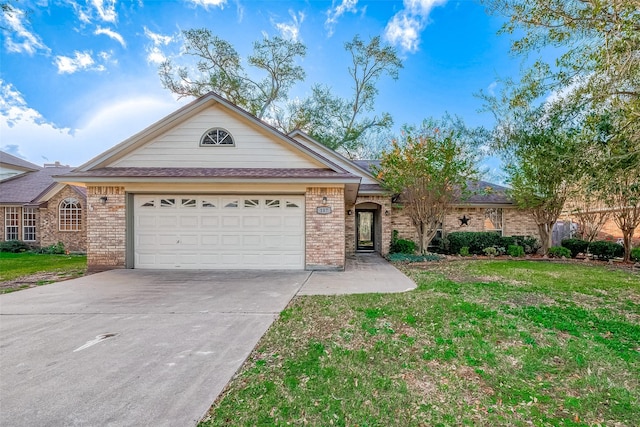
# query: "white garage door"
{"type": "Point", "coordinates": [219, 232]}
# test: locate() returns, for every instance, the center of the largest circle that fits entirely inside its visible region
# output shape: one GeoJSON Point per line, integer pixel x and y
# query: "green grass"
{"type": "Point", "coordinates": [13, 266]}
{"type": "Point", "coordinates": [478, 343]}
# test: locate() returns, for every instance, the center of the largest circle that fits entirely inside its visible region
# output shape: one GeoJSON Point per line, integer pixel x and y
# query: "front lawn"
{"type": "Point", "coordinates": [478, 343]}
{"type": "Point", "coordinates": [24, 269]}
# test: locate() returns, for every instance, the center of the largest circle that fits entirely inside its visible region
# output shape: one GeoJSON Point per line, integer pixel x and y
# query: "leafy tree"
{"type": "Point", "coordinates": [599, 66]}
{"type": "Point", "coordinates": [588, 207]}
{"type": "Point", "coordinates": [219, 68]}
{"type": "Point", "coordinates": [429, 167]}
{"type": "Point", "coordinates": [542, 156]}
{"type": "Point", "coordinates": [340, 123]}
{"type": "Point", "coordinates": [613, 166]}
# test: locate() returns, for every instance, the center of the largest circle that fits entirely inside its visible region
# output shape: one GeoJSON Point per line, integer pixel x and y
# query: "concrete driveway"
{"type": "Point", "coordinates": [132, 347]}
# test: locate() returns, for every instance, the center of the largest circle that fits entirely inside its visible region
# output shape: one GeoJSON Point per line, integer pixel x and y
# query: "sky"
{"type": "Point", "coordinates": [77, 77]}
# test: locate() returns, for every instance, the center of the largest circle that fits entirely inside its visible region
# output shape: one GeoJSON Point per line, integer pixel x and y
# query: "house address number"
{"type": "Point", "coordinates": [323, 210]}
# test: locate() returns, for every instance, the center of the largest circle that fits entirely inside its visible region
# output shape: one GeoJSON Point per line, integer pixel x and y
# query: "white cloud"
{"type": "Point", "coordinates": [291, 29]}
{"type": "Point", "coordinates": [27, 134]}
{"type": "Point", "coordinates": [106, 9]}
{"type": "Point", "coordinates": [110, 33]}
{"type": "Point", "coordinates": [492, 88]}
{"type": "Point", "coordinates": [18, 38]}
{"type": "Point", "coordinates": [336, 11]}
{"type": "Point", "coordinates": [155, 55]}
{"type": "Point", "coordinates": [81, 61]}
{"type": "Point", "coordinates": [405, 27]}
{"type": "Point", "coordinates": [208, 3]}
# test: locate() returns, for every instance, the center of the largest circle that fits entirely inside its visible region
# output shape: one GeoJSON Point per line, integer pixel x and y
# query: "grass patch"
{"type": "Point", "coordinates": [13, 266]}
{"type": "Point", "coordinates": [478, 343]}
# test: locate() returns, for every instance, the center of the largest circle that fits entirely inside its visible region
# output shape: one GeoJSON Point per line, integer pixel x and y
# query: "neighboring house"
{"type": "Point", "coordinates": [212, 187]}
{"type": "Point", "coordinates": [37, 209]}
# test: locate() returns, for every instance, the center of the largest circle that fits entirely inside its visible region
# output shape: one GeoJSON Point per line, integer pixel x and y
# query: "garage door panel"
{"type": "Point", "coordinates": [167, 221]}
{"type": "Point", "coordinates": [209, 241]}
{"type": "Point", "coordinates": [272, 222]}
{"type": "Point", "coordinates": [168, 239]}
{"type": "Point", "coordinates": [230, 221]}
{"type": "Point", "coordinates": [251, 221]}
{"type": "Point", "coordinates": [292, 222]}
{"type": "Point", "coordinates": [219, 232]}
{"type": "Point", "coordinates": [251, 241]}
{"type": "Point", "coordinates": [210, 221]}
{"type": "Point", "coordinates": [189, 222]}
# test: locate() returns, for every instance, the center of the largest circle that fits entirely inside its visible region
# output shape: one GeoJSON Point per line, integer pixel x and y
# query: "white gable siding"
{"type": "Point", "coordinates": [342, 162]}
{"type": "Point", "coordinates": [180, 147]}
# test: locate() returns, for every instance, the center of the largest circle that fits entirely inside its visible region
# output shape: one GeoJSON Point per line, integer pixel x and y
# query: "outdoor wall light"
{"type": "Point", "coordinates": [386, 213]}
{"type": "Point", "coordinates": [349, 212]}
{"type": "Point", "coordinates": [103, 200]}
{"type": "Point", "coordinates": [324, 200]}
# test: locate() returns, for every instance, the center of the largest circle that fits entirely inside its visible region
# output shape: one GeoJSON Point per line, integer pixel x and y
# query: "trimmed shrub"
{"type": "Point", "coordinates": [515, 251]}
{"type": "Point", "coordinates": [576, 246]}
{"type": "Point", "coordinates": [464, 251]}
{"type": "Point", "coordinates": [490, 251]}
{"type": "Point", "coordinates": [439, 246]}
{"type": "Point", "coordinates": [401, 246]}
{"type": "Point", "coordinates": [57, 249]}
{"type": "Point", "coordinates": [475, 241]}
{"type": "Point", "coordinates": [14, 246]}
{"type": "Point", "coordinates": [559, 252]}
{"type": "Point", "coordinates": [529, 243]}
{"type": "Point", "coordinates": [635, 254]}
{"type": "Point", "coordinates": [606, 250]}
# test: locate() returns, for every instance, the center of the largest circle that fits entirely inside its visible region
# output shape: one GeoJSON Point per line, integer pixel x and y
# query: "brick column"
{"type": "Point", "coordinates": [325, 234]}
{"type": "Point", "coordinates": [106, 228]}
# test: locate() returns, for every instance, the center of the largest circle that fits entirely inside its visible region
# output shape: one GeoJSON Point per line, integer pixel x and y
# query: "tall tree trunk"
{"type": "Point", "coordinates": [546, 233]}
{"type": "Point", "coordinates": [627, 235]}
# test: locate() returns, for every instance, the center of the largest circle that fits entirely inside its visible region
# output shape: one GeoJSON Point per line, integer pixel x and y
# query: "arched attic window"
{"type": "Point", "coordinates": [216, 137]}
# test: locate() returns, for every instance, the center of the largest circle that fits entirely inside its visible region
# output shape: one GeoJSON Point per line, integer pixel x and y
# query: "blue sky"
{"type": "Point", "coordinates": [78, 77]}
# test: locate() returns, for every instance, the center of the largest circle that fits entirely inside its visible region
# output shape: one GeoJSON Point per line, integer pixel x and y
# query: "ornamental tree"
{"type": "Point", "coordinates": [220, 69]}
{"type": "Point", "coordinates": [429, 167]}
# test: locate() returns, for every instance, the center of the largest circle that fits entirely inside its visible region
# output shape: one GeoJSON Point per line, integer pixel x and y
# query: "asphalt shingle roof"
{"type": "Point", "coordinates": [137, 172]}
{"type": "Point", "coordinates": [10, 159]}
{"type": "Point", "coordinates": [25, 188]}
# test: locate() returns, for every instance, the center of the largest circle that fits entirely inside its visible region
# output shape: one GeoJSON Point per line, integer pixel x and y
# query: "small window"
{"type": "Point", "coordinates": [251, 203]}
{"type": "Point", "coordinates": [70, 215]}
{"type": "Point", "coordinates": [231, 204]}
{"type": "Point", "coordinates": [149, 204]}
{"type": "Point", "coordinates": [291, 204]}
{"type": "Point", "coordinates": [493, 220]}
{"type": "Point", "coordinates": [272, 203]}
{"type": "Point", "coordinates": [167, 203]}
{"type": "Point", "coordinates": [216, 137]}
{"type": "Point", "coordinates": [29, 224]}
{"type": "Point", "coordinates": [188, 203]}
{"type": "Point", "coordinates": [208, 204]}
{"type": "Point", "coordinates": [11, 223]}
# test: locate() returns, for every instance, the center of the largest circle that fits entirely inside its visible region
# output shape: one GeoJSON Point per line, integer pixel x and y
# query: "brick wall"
{"type": "Point", "coordinates": [50, 233]}
{"type": "Point", "coordinates": [383, 204]}
{"type": "Point", "coordinates": [106, 228]}
{"type": "Point", "coordinates": [515, 222]}
{"type": "Point", "coordinates": [325, 234]}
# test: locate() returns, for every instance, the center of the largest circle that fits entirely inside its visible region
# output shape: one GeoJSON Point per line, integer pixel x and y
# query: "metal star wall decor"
{"type": "Point", "coordinates": [464, 220]}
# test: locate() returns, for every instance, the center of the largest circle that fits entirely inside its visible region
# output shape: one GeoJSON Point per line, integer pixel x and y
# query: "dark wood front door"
{"type": "Point", "coordinates": [365, 230]}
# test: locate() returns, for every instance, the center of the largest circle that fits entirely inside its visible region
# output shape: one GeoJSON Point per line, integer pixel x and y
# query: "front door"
{"type": "Point", "coordinates": [365, 230]}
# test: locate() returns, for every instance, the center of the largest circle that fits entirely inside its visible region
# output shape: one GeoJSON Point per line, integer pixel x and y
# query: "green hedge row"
{"type": "Point", "coordinates": [601, 249]}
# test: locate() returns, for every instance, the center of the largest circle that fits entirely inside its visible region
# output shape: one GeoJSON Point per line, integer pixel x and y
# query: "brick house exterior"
{"type": "Point", "coordinates": [212, 187]}
{"type": "Point", "coordinates": [31, 204]}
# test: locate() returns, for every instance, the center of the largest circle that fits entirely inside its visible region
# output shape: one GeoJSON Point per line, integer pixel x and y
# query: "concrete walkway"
{"type": "Point", "coordinates": [366, 272]}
